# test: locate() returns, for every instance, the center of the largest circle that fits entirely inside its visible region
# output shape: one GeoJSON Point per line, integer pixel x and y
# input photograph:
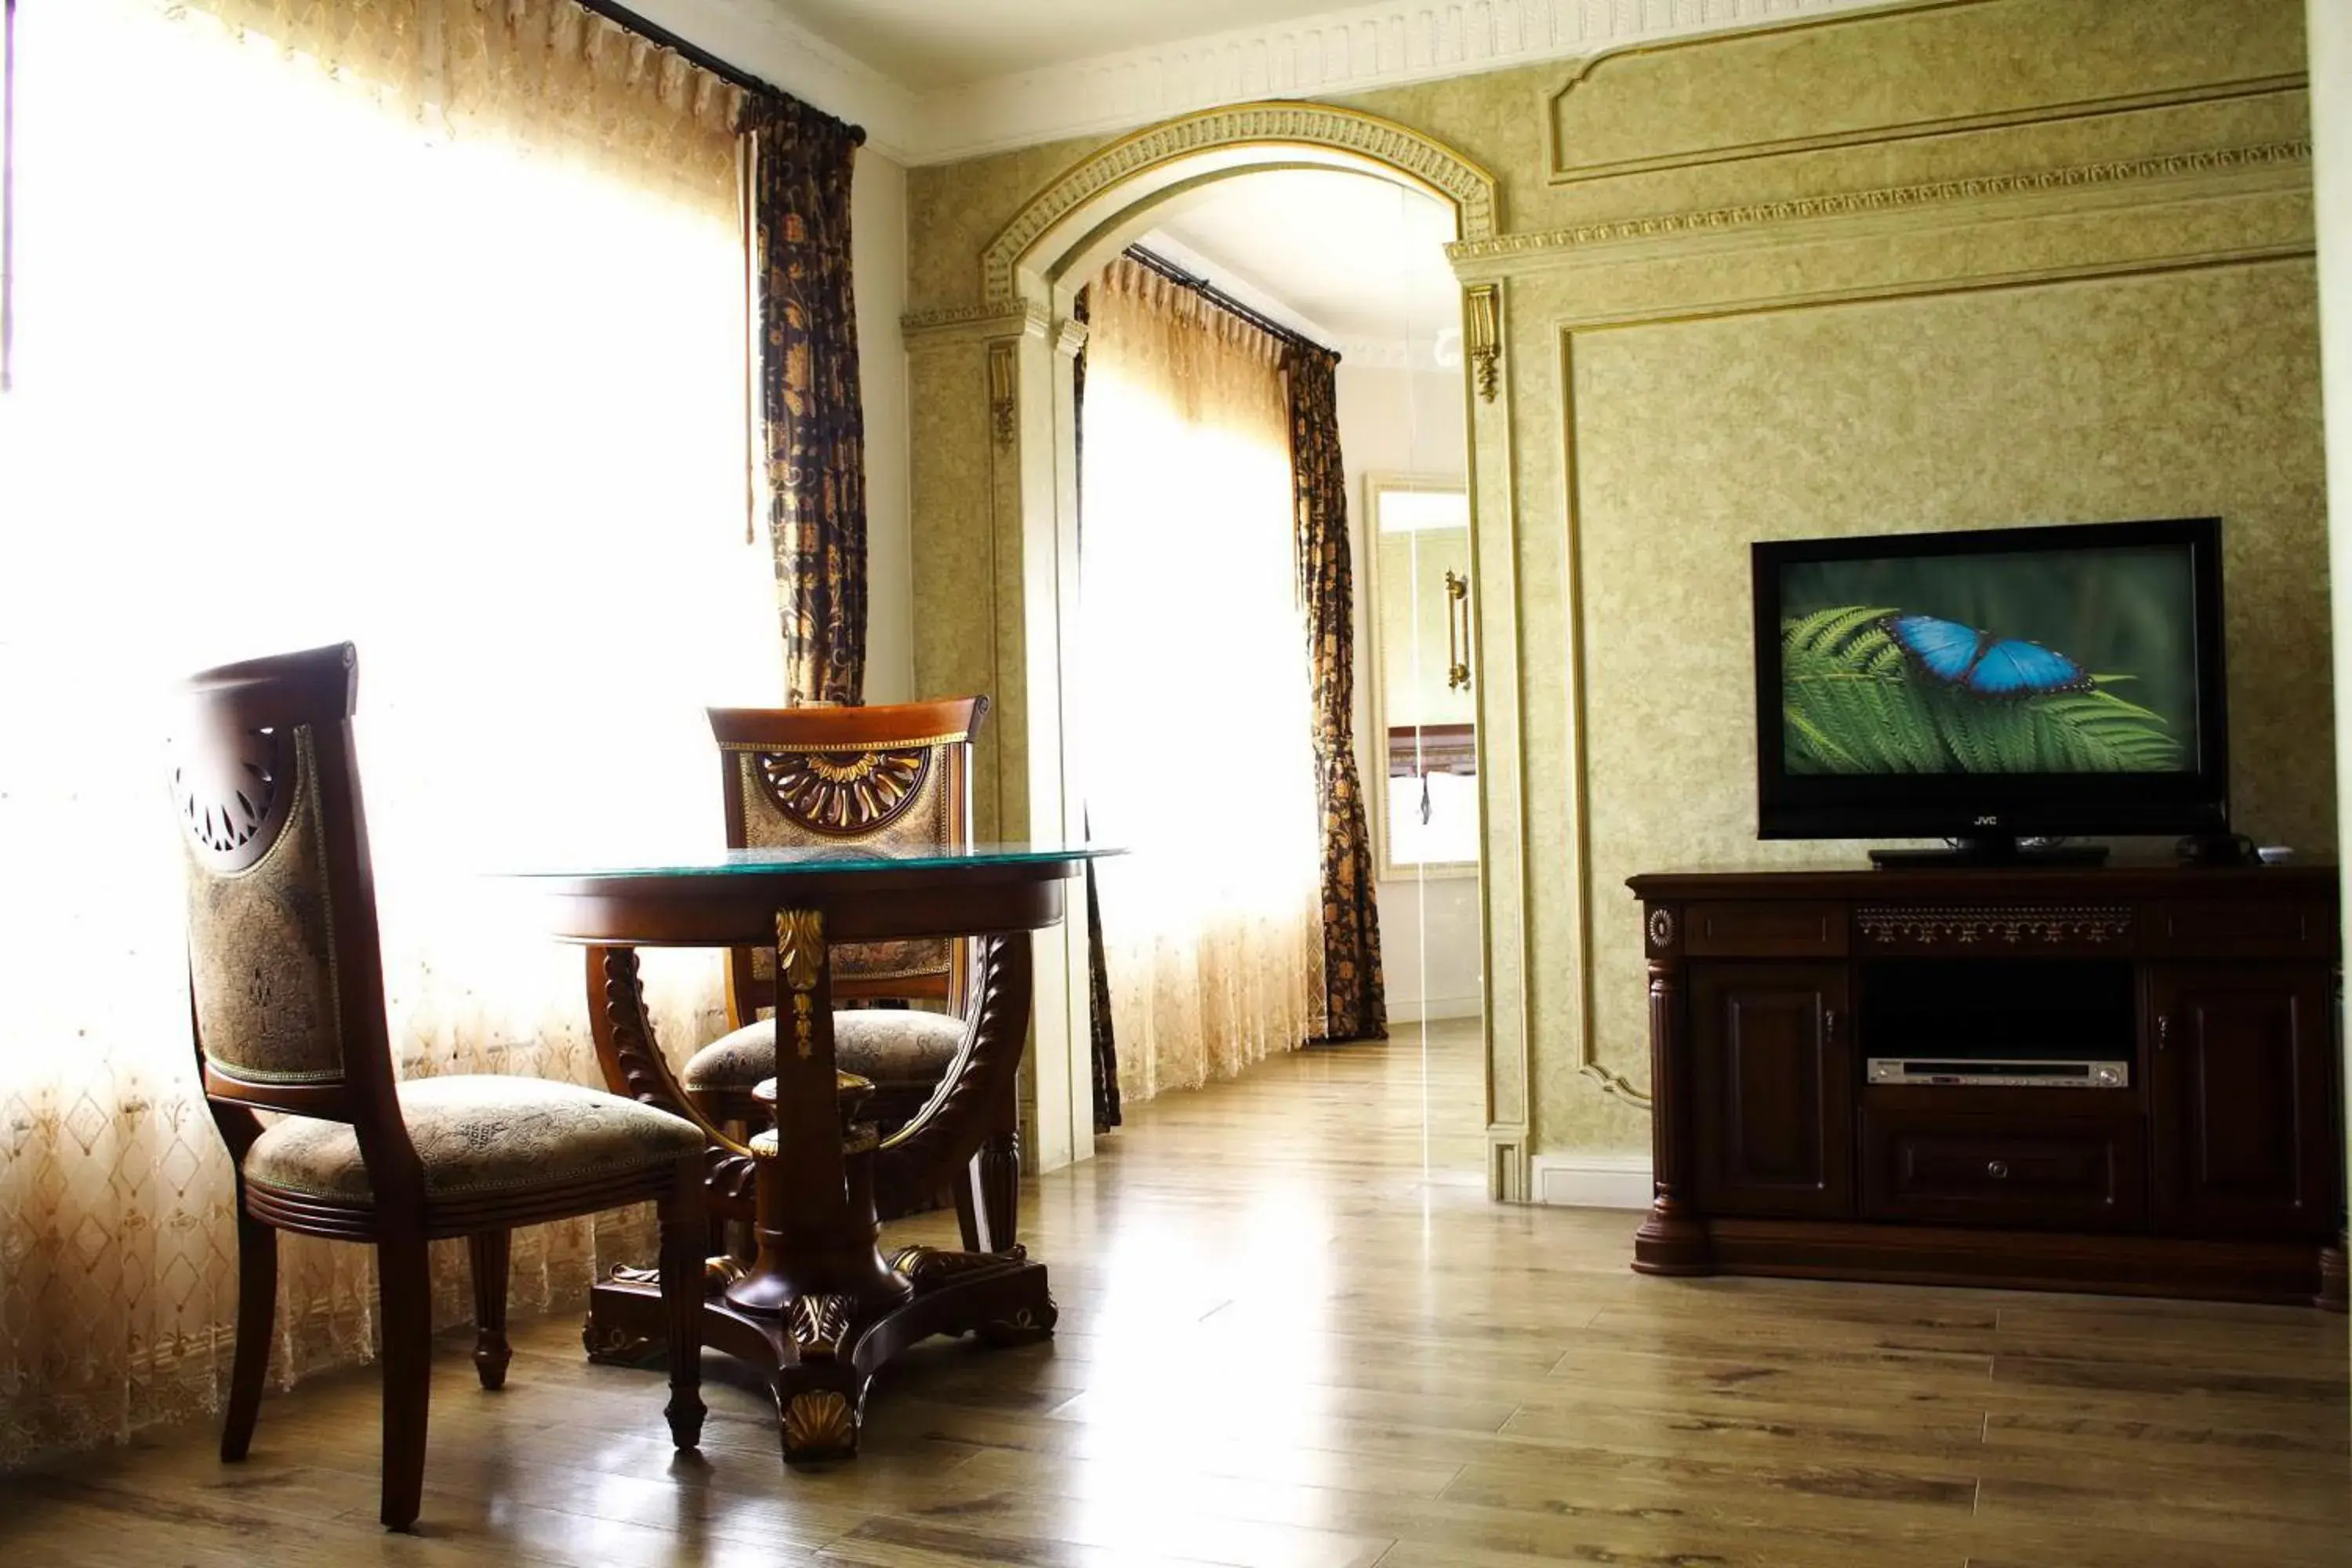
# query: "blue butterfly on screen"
{"type": "Point", "coordinates": [1982, 664]}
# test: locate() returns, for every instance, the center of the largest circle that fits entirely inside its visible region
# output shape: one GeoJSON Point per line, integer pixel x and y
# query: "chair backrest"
{"type": "Point", "coordinates": [285, 974]}
{"type": "Point", "coordinates": [898, 776]}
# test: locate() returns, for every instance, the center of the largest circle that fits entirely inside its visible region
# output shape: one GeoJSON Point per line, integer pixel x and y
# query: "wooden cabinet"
{"type": "Point", "coordinates": [1773, 1052]}
{"type": "Point", "coordinates": [2242, 1084]}
{"type": "Point", "coordinates": [2214, 1168]}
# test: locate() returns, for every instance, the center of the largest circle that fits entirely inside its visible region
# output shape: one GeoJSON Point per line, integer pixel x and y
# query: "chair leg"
{"type": "Point", "coordinates": [967, 1210]}
{"type": "Point", "coordinates": [404, 1300]}
{"type": "Point", "coordinates": [999, 1178]}
{"type": "Point", "coordinates": [487, 1251]}
{"type": "Point", "coordinates": [257, 1307]}
{"type": "Point", "coordinates": [685, 1232]}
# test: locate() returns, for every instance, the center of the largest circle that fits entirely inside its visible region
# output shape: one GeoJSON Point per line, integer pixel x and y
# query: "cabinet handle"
{"type": "Point", "coordinates": [2163, 1031]}
{"type": "Point", "coordinates": [1997, 1169]}
{"type": "Point", "coordinates": [1829, 1026]}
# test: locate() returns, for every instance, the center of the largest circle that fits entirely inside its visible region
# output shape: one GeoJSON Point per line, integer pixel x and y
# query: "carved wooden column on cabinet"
{"type": "Point", "coordinates": [1670, 1240]}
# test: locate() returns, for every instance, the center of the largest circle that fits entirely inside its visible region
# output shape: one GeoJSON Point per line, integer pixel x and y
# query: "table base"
{"type": "Point", "coordinates": [819, 1353]}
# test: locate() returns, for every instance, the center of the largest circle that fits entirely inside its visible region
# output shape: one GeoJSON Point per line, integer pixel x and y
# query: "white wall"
{"type": "Point", "coordinates": [877, 260]}
{"type": "Point", "coordinates": [1399, 421]}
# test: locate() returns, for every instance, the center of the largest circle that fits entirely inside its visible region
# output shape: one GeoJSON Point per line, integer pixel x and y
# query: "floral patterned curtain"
{"type": "Point", "coordinates": [811, 414]}
{"type": "Point", "coordinates": [1354, 1008]}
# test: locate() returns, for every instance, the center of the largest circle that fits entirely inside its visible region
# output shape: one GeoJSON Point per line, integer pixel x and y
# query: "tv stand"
{"type": "Point", "coordinates": [2214, 1168]}
{"type": "Point", "coordinates": [1997, 849]}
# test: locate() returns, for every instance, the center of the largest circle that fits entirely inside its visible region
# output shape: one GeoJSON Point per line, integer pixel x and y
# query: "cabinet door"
{"type": "Point", "coordinates": [2243, 1095]}
{"type": "Point", "coordinates": [1772, 1053]}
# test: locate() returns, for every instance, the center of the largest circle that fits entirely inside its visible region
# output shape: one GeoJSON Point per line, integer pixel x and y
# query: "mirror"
{"type": "Point", "coordinates": [1422, 706]}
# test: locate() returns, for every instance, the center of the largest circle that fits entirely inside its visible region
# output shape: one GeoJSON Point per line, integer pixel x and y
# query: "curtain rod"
{"type": "Point", "coordinates": [654, 33]}
{"type": "Point", "coordinates": [1154, 262]}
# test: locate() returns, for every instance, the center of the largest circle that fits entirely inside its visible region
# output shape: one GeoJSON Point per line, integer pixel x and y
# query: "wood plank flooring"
{"type": "Point", "coordinates": [1293, 1336]}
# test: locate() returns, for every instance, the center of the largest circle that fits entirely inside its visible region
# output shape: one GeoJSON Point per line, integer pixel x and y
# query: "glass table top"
{"type": "Point", "coordinates": [816, 858]}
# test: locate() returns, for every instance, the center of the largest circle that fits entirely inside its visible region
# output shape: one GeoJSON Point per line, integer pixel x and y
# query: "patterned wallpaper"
{"type": "Point", "coordinates": [1994, 262]}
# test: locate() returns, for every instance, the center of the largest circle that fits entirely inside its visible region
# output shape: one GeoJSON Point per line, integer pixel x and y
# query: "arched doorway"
{"type": "Point", "coordinates": [1030, 273]}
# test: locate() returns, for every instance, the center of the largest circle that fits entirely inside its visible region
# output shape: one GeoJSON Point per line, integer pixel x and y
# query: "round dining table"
{"type": "Point", "coordinates": [820, 1308]}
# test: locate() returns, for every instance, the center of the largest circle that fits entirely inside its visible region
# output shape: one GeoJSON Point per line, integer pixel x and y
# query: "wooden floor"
{"type": "Point", "coordinates": [1294, 1334]}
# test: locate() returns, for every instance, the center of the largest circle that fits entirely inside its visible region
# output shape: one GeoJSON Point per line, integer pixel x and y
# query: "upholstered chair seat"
{"type": "Point", "coordinates": [477, 1135]}
{"type": "Point", "coordinates": [890, 1046]}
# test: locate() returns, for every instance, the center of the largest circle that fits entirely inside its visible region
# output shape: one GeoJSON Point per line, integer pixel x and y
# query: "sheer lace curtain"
{"type": "Point", "coordinates": [1193, 722]}
{"type": "Point", "coordinates": [415, 322]}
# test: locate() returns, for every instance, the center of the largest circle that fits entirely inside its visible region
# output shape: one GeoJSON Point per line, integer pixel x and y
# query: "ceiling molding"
{"type": "Point", "coordinates": [1349, 50]}
{"type": "Point", "coordinates": [1479, 258]}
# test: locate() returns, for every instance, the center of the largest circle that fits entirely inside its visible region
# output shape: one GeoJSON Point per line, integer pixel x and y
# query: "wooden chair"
{"type": "Point", "coordinates": [286, 993]}
{"type": "Point", "coordinates": [888, 777]}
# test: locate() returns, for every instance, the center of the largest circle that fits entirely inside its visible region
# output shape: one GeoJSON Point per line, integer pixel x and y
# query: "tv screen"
{"type": "Point", "coordinates": [2024, 662]}
{"type": "Point", "coordinates": [2062, 680]}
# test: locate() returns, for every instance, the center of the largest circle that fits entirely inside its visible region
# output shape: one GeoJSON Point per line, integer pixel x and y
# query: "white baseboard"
{"type": "Point", "coordinates": [1431, 1009]}
{"type": "Point", "coordinates": [1594, 1181]}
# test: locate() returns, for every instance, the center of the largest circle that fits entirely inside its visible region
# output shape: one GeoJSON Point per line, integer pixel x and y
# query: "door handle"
{"type": "Point", "coordinates": [1457, 632]}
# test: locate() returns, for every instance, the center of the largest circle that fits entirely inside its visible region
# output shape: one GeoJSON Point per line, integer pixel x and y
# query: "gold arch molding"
{"type": "Point", "coordinates": [1347, 135]}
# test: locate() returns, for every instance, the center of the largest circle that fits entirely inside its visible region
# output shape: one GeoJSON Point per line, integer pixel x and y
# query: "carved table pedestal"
{"type": "Point", "coordinates": [820, 1308]}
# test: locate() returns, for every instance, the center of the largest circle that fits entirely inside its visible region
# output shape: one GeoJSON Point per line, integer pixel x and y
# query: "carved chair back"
{"type": "Point", "coordinates": [285, 973]}
{"type": "Point", "coordinates": [892, 778]}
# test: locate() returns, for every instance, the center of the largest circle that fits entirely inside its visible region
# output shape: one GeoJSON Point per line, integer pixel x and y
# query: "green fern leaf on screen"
{"type": "Point", "coordinates": [1854, 703]}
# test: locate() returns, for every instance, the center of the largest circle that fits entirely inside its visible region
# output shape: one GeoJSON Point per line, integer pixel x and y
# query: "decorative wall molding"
{"type": "Point", "coordinates": [1482, 341]}
{"type": "Point", "coordinates": [1468, 254]}
{"type": "Point", "coordinates": [1003, 405]}
{"type": "Point", "coordinates": [1470, 188]}
{"type": "Point", "coordinates": [1350, 49]}
{"type": "Point", "coordinates": [982, 321]}
{"type": "Point", "coordinates": [1594, 1180]}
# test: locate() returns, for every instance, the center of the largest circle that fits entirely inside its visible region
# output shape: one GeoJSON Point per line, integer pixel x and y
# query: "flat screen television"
{"type": "Point", "coordinates": [1989, 687]}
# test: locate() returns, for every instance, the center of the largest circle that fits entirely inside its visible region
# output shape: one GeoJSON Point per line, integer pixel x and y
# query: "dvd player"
{"type": "Point", "coordinates": [1976, 1071]}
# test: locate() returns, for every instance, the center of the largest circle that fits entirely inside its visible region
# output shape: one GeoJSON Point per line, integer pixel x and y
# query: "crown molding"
{"type": "Point", "coordinates": [1476, 259]}
{"type": "Point", "coordinates": [1349, 50]}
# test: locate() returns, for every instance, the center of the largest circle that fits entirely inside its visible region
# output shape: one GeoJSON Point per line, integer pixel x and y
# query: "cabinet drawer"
{"type": "Point", "coordinates": [1766, 930]}
{"type": "Point", "coordinates": [2240, 928]}
{"type": "Point", "coordinates": [2059, 1172]}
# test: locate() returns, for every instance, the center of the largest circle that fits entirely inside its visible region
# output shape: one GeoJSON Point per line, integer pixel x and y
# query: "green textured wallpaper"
{"type": "Point", "coordinates": [1804, 315]}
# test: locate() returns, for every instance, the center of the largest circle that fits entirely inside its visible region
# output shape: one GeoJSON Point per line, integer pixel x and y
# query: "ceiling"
{"type": "Point", "coordinates": [927, 43]}
{"type": "Point", "coordinates": [1352, 261]}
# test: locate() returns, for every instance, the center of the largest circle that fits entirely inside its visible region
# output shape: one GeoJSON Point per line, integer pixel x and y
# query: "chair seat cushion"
{"type": "Point", "coordinates": [888, 1044]}
{"type": "Point", "coordinates": [481, 1134]}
